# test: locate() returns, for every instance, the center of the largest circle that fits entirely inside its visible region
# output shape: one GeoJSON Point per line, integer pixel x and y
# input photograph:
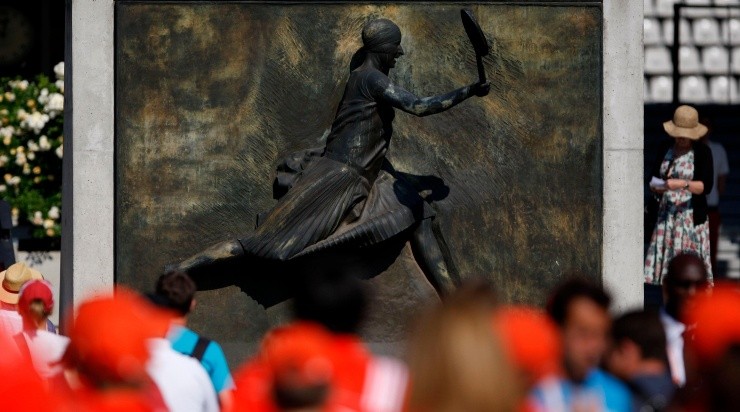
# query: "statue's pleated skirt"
{"type": "Point", "coordinates": [331, 205]}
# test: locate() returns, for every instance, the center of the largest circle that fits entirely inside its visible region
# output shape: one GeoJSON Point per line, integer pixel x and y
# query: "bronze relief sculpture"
{"type": "Point", "coordinates": [346, 194]}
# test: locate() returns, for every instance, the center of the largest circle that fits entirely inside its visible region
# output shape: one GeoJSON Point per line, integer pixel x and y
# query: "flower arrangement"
{"type": "Point", "coordinates": [31, 127]}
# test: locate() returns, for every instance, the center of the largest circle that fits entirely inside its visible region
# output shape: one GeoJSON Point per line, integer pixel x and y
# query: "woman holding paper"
{"type": "Point", "coordinates": [681, 178]}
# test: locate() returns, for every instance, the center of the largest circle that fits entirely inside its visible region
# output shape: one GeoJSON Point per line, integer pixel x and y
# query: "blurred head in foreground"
{"type": "Point", "coordinates": [108, 340]}
{"type": "Point", "coordinates": [638, 346]}
{"type": "Point", "coordinates": [336, 300]}
{"type": "Point", "coordinates": [712, 350]}
{"type": "Point", "coordinates": [531, 341]}
{"type": "Point", "coordinates": [457, 362]}
{"type": "Point", "coordinates": [580, 309]}
{"type": "Point", "coordinates": [299, 358]}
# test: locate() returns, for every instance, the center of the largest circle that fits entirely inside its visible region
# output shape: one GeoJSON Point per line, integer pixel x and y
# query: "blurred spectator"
{"type": "Point", "coordinates": [360, 381]}
{"type": "Point", "coordinates": [712, 351]}
{"type": "Point", "coordinates": [44, 348]}
{"type": "Point", "coordinates": [721, 170]}
{"type": "Point", "coordinates": [107, 355]}
{"type": "Point", "coordinates": [580, 309]}
{"type": "Point", "coordinates": [686, 275]}
{"type": "Point", "coordinates": [175, 291]}
{"type": "Point", "coordinates": [11, 280]}
{"type": "Point", "coordinates": [456, 359]}
{"type": "Point", "coordinates": [21, 390]}
{"type": "Point", "coordinates": [531, 341]}
{"type": "Point", "coordinates": [638, 357]}
{"type": "Point", "coordinates": [293, 371]}
{"type": "Point", "coordinates": [181, 379]}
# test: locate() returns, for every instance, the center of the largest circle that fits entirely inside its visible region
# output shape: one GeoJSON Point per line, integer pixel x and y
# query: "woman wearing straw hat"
{"type": "Point", "coordinates": [681, 178]}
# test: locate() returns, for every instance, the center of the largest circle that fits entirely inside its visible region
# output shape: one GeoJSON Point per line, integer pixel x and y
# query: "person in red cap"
{"type": "Point", "coordinates": [107, 355]}
{"type": "Point", "coordinates": [293, 371]}
{"type": "Point", "coordinates": [360, 381]}
{"type": "Point", "coordinates": [44, 348]}
{"type": "Point", "coordinates": [712, 350]}
{"type": "Point", "coordinates": [530, 340]}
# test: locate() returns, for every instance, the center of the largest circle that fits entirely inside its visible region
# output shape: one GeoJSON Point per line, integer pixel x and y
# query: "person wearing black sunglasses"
{"type": "Point", "coordinates": [687, 274]}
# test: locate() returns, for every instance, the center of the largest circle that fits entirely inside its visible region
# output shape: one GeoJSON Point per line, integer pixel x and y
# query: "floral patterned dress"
{"type": "Point", "coordinates": [674, 230]}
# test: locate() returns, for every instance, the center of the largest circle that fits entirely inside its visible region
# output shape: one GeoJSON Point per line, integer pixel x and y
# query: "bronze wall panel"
{"type": "Point", "coordinates": [209, 96]}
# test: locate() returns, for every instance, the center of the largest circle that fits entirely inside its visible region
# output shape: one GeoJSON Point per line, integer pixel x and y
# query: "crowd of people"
{"type": "Point", "coordinates": [468, 352]}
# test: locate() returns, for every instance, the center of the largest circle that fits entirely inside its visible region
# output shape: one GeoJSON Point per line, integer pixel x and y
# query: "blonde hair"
{"type": "Point", "coordinates": [456, 361]}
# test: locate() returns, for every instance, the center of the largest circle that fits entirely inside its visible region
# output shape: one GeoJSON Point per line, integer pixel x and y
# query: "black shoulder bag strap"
{"type": "Point", "coordinates": [200, 348]}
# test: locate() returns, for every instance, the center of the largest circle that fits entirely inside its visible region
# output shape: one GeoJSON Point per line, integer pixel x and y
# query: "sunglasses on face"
{"type": "Point", "coordinates": [686, 284]}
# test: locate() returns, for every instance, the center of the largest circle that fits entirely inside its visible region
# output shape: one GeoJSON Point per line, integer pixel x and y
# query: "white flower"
{"type": "Point", "coordinates": [44, 144]}
{"type": "Point", "coordinates": [60, 85]}
{"type": "Point", "coordinates": [3, 160]}
{"type": "Point", "coordinates": [31, 156]}
{"type": "Point", "coordinates": [48, 224]}
{"type": "Point", "coordinates": [38, 218]}
{"type": "Point", "coordinates": [10, 96]}
{"type": "Point", "coordinates": [34, 121]}
{"type": "Point", "coordinates": [32, 146]}
{"type": "Point", "coordinates": [3, 188]}
{"type": "Point", "coordinates": [26, 169]}
{"type": "Point", "coordinates": [54, 213]}
{"type": "Point", "coordinates": [59, 151]}
{"type": "Point", "coordinates": [59, 70]}
{"type": "Point", "coordinates": [18, 84]}
{"type": "Point", "coordinates": [20, 158]}
{"type": "Point", "coordinates": [7, 133]}
{"type": "Point", "coordinates": [15, 181]}
{"type": "Point", "coordinates": [55, 104]}
{"type": "Point", "coordinates": [43, 96]}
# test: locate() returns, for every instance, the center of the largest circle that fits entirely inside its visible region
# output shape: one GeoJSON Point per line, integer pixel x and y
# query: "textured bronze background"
{"type": "Point", "coordinates": [210, 96]}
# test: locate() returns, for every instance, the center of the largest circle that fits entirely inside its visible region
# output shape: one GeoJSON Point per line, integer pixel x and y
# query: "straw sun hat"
{"type": "Point", "coordinates": [13, 278]}
{"type": "Point", "coordinates": [685, 124]}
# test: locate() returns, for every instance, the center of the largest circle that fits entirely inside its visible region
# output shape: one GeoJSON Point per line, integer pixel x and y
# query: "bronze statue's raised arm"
{"type": "Point", "coordinates": [410, 103]}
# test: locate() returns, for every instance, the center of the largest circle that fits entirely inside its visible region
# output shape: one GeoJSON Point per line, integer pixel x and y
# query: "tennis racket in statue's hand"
{"type": "Point", "coordinates": [478, 39]}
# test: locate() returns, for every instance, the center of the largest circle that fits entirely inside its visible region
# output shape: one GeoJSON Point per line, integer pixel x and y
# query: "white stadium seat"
{"type": "Point", "coordinates": [697, 12]}
{"type": "Point", "coordinates": [685, 31]}
{"type": "Point", "coordinates": [715, 60]}
{"type": "Point", "coordinates": [646, 91]}
{"type": "Point", "coordinates": [658, 60]}
{"type": "Point", "coordinates": [723, 89]}
{"type": "Point", "coordinates": [651, 32]}
{"type": "Point", "coordinates": [731, 31]}
{"type": "Point", "coordinates": [735, 60]}
{"type": "Point", "coordinates": [688, 60]}
{"type": "Point", "coordinates": [693, 89]}
{"type": "Point", "coordinates": [648, 9]}
{"type": "Point", "coordinates": [727, 2]}
{"type": "Point", "coordinates": [706, 32]}
{"type": "Point", "coordinates": [661, 89]}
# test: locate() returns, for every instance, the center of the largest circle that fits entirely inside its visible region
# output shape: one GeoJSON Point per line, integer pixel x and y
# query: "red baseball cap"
{"type": "Point", "coordinates": [716, 314]}
{"type": "Point", "coordinates": [530, 339]}
{"type": "Point", "coordinates": [109, 334]}
{"type": "Point", "coordinates": [36, 289]}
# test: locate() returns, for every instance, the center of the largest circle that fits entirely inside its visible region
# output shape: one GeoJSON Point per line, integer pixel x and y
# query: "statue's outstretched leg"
{"type": "Point", "coordinates": [429, 257]}
{"type": "Point", "coordinates": [218, 253]}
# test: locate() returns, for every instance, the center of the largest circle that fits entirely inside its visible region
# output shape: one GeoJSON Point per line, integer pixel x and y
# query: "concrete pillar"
{"type": "Point", "coordinates": [622, 245]}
